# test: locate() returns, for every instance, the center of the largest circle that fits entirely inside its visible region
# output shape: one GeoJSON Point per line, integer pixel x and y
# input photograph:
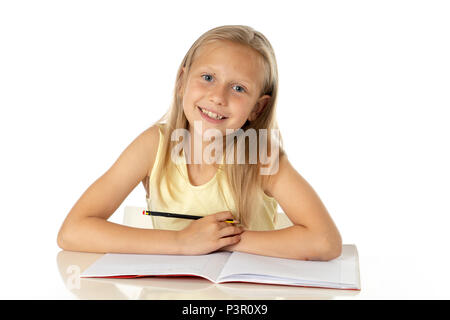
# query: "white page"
{"type": "Point", "coordinates": [248, 267]}
{"type": "Point", "coordinates": [208, 266]}
{"type": "Point", "coordinates": [350, 265]}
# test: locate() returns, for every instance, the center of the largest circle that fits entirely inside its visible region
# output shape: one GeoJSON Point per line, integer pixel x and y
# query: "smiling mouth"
{"type": "Point", "coordinates": [212, 115]}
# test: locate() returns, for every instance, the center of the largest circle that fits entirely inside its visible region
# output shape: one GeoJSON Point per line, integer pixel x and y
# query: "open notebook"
{"type": "Point", "coordinates": [220, 267]}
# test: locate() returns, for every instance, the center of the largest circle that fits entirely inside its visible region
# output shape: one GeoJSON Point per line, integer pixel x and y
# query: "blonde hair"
{"type": "Point", "coordinates": [245, 180]}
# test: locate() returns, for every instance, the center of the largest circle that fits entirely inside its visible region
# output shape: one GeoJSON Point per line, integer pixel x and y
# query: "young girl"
{"type": "Point", "coordinates": [226, 83]}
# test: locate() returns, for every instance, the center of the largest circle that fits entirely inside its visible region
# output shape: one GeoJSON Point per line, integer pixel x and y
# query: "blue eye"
{"type": "Point", "coordinates": [206, 75]}
{"type": "Point", "coordinates": [208, 78]}
{"type": "Point", "coordinates": [243, 90]}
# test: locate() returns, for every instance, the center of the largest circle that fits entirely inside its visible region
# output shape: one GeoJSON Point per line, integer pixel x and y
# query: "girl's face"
{"type": "Point", "coordinates": [223, 86]}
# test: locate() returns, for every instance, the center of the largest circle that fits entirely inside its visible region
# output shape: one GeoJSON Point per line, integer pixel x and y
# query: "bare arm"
{"type": "Point", "coordinates": [86, 227]}
{"type": "Point", "coordinates": [313, 236]}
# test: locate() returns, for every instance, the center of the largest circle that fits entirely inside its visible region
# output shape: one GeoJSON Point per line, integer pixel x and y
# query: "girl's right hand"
{"type": "Point", "coordinates": [209, 234]}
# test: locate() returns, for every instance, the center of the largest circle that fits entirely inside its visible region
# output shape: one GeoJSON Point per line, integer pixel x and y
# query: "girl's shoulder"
{"type": "Point", "coordinates": [268, 181]}
{"type": "Point", "coordinates": [151, 138]}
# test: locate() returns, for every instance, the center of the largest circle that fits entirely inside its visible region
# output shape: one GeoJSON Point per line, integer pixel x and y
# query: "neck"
{"type": "Point", "coordinates": [199, 152]}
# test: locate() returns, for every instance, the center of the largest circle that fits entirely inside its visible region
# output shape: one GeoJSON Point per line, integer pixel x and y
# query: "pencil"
{"type": "Point", "coordinates": [177, 215]}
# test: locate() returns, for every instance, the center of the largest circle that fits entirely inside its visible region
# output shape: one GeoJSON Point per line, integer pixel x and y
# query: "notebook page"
{"type": "Point", "coordinates": [119, 264]}
{"type": "Point", "coordinates": [248, 267]}
{"type": "Point", "coordinates": [350, 265]}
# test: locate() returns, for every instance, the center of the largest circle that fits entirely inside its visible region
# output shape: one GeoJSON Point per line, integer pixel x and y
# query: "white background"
{"type": "Point", "coordinates": [363, 109]}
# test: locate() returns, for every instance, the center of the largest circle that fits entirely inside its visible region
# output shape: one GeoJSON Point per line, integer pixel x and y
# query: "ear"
{"type": "Point", "coordinates": [259, 107]}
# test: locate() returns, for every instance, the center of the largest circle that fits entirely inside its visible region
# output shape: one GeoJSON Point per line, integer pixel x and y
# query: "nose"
{"type": "Point", "coordinates": [217, 95]}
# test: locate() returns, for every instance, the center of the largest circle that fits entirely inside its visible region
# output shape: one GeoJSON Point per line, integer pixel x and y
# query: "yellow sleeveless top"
{"type": "Point", "coordinates": [200, 200]}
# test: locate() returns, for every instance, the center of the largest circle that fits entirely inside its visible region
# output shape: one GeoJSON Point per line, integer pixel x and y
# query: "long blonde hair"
{"type": "Point", "coordinates": [245, 180]}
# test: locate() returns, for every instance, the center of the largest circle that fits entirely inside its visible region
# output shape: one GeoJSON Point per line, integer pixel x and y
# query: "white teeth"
{"type": "Point", "coordinates": [212, 114]}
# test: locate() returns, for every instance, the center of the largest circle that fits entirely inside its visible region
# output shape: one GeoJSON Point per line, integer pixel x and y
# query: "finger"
{"type": "Point", "coordinates": [223, 242]}
{"type": "Point", "coordinates": [224, 215]}
{"type": "Point", "coordinates": [230, 231]}
{"type": "Point", "coordinates": [223, 225]}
